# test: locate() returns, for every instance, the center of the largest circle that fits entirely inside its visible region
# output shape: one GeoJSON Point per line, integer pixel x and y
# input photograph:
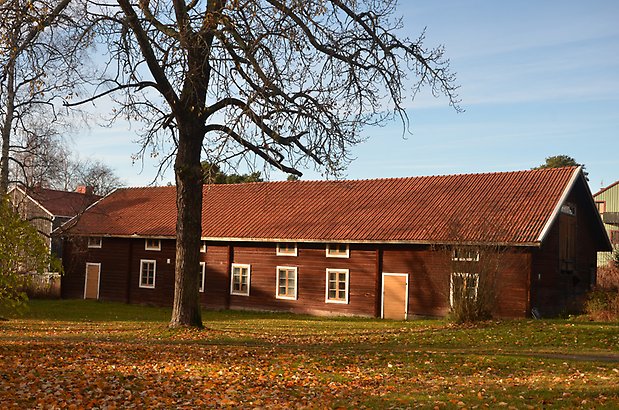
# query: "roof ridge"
{"type": "Point", "coordinates": [62, 191]}
{"type": "Point", "coordinates": [386, 179]}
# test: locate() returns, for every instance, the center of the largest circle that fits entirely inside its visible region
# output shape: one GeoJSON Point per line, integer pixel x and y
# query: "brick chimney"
{"type": "Point", "coordinates": [83, 189]}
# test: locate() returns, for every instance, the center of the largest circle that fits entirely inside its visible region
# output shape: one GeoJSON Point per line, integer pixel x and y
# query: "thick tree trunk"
{"type": "Point", "coordinates": [186, 308]}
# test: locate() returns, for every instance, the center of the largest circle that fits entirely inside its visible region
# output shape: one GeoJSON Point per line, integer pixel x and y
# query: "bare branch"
{"type": "Point", "coordinates": [262, 152]}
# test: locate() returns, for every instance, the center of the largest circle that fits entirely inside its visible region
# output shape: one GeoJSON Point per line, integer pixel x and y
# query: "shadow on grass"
{"type": "Point", "coordinates": [79, 310]}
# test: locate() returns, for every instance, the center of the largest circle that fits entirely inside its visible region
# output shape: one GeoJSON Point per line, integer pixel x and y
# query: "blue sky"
{"type": "Point", "coordinates": [538, 78]}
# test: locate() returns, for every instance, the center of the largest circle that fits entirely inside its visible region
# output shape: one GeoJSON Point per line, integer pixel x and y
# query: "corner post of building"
{"type": "Point", "coordinates": [378, 287]}
{"type": "Point", "coordinates": [530, 281]}
{"type": "Point", "coordinates": [229, 274]}
{"type": "Point", "coordinates": [129, 269]}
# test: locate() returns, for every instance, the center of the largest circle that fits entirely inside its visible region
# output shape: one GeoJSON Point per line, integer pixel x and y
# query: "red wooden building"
{"type": "Point", "coordinates": [383, 248]}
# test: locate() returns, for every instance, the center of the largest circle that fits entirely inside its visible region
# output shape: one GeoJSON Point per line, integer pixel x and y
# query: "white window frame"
{"type": "Point", "coordinates": [467, 252]}
{"type": "Point", "coordinates": [279, 251]}
{"type": "Point", "coordinates": [296, 285]}
{"type": "Point", "coordinates": [152, 248]}
{"type": "Point", "coordinates": [203, 246]}
{"type": "Point", "coordinates": [202, 277]}
{"type": "Point", "coordinates": [240, 266]}
{"type": "Point", "coordinates": [451, 284]}
{"type": "Point", "coordinates": [95, 245]}
{"type": "Point", "coordinates": [142, 263]}
{"type": "Point", "coordinates": [331, 254]}
{"type": "Point", "coordinates": [338, 271]}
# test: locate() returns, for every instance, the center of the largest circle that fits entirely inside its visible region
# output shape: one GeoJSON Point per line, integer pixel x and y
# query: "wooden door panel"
{"type": "Point", "coordinates": [91, 287]}
{"type": "Point", "coordinates": [395, 300]}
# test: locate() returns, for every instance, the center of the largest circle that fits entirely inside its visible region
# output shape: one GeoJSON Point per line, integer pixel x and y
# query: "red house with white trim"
{"type": "Point", "coordinates": [380, 248]}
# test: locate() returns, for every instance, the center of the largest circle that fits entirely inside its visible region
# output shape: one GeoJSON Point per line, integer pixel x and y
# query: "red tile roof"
{"type": "Point", "coordinates": [62, 203]}
{"type": "Point", "coordinates": [508, 207]}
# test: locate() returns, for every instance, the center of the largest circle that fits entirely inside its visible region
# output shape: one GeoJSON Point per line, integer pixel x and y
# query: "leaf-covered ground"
{"type": "Point", "coordinates": [80, 354]}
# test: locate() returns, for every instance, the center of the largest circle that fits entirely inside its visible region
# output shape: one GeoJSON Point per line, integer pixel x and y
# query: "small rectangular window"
{"type": "Point", "coordinates": [601, 206]}
{"type": "Point", "coordinates": [203, 246]}
{"type": "Point", "coordinates": [286, 249]}
{"type": "Point", "coordinates": [202, 276]}
{"type": "Point", "coordinates": [337, 286]}
{"type": "Point", "coordinates": [94, 241]}
{"type": "Point", "coordinates": [464, 254]}
{"type": "Point", "coordinates": [148, 271]}
{"type": "Point", "coordinates": [338, 250]}
{"type": "Point", "coordinates": [614, 237]}
{"type": "Point", "coordinates": [463, 285]}
{"type": "Point", "coordinates": [286, 282]}
{"type": "Point", "coordinates": [152, 244]}
{"type": "Point", "coordinates": [240, 279]}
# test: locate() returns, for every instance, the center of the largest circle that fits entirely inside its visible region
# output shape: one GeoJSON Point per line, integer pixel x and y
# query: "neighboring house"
{"type": "Point", "coordinates": [607, 203]}
{"type": "Point", "coordinates": [47, 209]}
{"type": "Point", "coordinates": [379, 248]}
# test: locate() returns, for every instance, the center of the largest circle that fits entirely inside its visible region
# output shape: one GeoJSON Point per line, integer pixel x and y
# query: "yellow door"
{"type": "Point", "coordinates": [395, 296]}
{"type": "Point", "coordinates": [91, 286]}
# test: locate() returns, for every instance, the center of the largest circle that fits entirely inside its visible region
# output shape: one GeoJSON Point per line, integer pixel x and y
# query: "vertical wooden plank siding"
{"type": "Point", "coordinates": [556, 291]}
{"type": "Point", "coordinates": [163, 293]}
{"type": "Point", "coordinates": [520, 288]}
{"type": "Point", "coordinates": [311, 263]}
{"type": "Point", "coordinates": [428, 270]}
{"type": "Point", "coordinates": [73, 259]}
{"type": "Point", "coordinates": [216, 284]}
{"type": "Point", "coordinates": [130, 244]}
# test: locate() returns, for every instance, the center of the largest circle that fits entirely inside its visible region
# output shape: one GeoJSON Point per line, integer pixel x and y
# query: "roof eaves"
{"type": "Point", "coordinates": [370, 241]}
{"type": "Point", "coordinates": [134, 236]}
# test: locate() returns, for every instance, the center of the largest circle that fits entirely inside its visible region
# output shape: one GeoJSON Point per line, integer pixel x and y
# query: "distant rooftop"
{"type": "Point", "coordinates": [62, 203]}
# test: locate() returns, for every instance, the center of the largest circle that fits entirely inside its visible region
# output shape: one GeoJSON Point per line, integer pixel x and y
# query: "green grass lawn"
{"type": "Point", "coordinates": [76, 354]}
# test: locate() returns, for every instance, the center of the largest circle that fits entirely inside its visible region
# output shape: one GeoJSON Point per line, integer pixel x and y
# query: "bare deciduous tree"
{"type": "Point", "coordinates": [39, 159]}
{"type": "Point", "coordinates": [41, 52]}
{"type": "Point", "coordinates": [475, 264]}
{"type": "Point", "coordinates": [473, 280]}
{"type": "Point", "coordinates": [47, 161]}
{"type": "Point", "coordinates": [99, 177]}
{"type": "Point", "coordinates": [289, 82]}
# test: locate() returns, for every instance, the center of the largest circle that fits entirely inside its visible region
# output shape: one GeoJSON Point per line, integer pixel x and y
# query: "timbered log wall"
{"type": "Point", "coordinates": [529, 277]}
